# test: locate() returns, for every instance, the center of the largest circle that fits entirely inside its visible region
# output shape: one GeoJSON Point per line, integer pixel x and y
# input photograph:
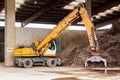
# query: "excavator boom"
{"type": "Point", "coordinates": [67, 21]}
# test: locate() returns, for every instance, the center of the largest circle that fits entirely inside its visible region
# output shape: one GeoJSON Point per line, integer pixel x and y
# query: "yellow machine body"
{"type": "Point", "coordinates": [29, 52]}
{"type": "Point", "coordinates": [24, 52]}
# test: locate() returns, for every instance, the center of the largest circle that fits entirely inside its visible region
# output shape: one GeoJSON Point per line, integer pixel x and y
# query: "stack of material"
{"type": "Point", "coordinates": [75, 55]}
{"type": "Point", "coordinates": [110, 45]}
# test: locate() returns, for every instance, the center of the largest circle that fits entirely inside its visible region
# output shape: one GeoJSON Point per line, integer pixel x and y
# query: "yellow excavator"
{"type": "Point", "coordinates": [46, 52]}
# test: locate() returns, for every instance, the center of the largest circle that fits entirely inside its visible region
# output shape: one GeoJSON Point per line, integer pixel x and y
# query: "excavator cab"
{"type": "Point", "coordinates": [54, 48]}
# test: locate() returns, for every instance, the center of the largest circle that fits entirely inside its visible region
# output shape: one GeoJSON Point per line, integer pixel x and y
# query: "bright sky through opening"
{"type": "Point", "coordinates": [50, 26]}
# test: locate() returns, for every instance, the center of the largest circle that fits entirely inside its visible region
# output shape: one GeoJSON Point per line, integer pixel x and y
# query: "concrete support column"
{"type": "Point", "coordinates": [88, 7]}
{"type": "Point", "coordinates": [10, 32]}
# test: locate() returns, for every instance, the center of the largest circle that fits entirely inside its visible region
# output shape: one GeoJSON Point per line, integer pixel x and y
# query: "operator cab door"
{"type": "Point", "coordinates": [54, 49]}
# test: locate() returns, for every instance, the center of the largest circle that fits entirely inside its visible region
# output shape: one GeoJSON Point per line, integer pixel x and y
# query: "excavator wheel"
{"type": "Point", "coordinates": [59, 62]}
{"type": "Point", "coordinates": [15, 64]}
{"type": "Point", "coordinates": [27, 63]}
{"type": "Point", "coordinates": [51, 62]}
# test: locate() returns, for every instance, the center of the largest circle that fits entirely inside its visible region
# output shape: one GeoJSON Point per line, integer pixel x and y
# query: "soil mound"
{"type": "Point", "coordinates": [75, 55]}
{"type": "Point", "coordinates": [110, 45]}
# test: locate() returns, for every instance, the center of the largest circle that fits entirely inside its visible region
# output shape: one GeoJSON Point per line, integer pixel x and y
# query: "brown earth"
{"type": "Point", "coordinates": [70, 42]}
{"type": "Point", "coordinates": [110, 45]}
{"type": "Point", "coordinates": [74, 53]}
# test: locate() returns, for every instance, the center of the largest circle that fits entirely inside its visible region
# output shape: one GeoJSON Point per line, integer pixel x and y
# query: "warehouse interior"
{"type": "Point", "coordinates": [24, 21]}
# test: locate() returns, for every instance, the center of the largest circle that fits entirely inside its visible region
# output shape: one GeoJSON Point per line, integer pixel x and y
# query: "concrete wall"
{"type": "Point", "coordinates": [25, 36]}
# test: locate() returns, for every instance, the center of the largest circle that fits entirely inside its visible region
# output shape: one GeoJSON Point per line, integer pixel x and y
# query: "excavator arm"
{"type": "Point", "coordinates": [94, 46]}
{"type": "Point", "coordinates": [60, 27]}
{"type": "Point", "coordinates": [66, 22]}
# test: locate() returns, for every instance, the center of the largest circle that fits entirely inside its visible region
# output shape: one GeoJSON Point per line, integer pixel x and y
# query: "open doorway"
{"type": "Point", "coordinates": [2, 55]}
{"type": "Point", "coordinates": [2, 59]}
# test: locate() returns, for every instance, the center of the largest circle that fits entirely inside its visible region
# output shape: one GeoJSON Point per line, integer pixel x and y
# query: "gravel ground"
{"type": "Point", "coordinates": [55, 73]}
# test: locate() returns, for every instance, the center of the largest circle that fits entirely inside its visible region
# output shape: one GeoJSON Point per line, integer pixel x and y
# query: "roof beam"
{"type": "Point", "coordinates": [98, 1]}
{"type": "Point", "coordinates": [48, 20]}
{"type": "Point", "coordinates": [110, 21]}
{"type": "Point", "coordinates": [54, 15]}
{"type": "Point", "coordinates": [26, 9]}
{"type": "Point", "coordinates": [48, 17]}
{"type": "Point", "coordinates": [95, 5]}
{"type": "Point", "coordinates": [24, 12]}
{"type": "Point", "coordinates": [45, 22]}
{"type": "Point", "coordinates": [104, 7]}
{"type": "Point", "coordinates": [58, 12]}
{"type": "Point", "coordinates": [32, 1]}
{"type": "Point", "coordinates": [59, 9]}
{"type": "Point", "coordinates": [30, 6]}
{"type": "Point", "coordinates": [41, 11]}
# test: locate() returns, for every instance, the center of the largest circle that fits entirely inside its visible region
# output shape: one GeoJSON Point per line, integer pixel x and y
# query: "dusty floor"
{"type": "Point", "coordinates": [55, 73]}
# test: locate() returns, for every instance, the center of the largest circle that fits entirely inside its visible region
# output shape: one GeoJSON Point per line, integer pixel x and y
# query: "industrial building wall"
{"type": "Point", "coordinates": [25, 36]}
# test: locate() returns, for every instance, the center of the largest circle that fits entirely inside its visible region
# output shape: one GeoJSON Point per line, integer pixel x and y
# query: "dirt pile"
{"type": "Point", "coordinates": [70, 40]}
{"type": "Point", "coordinates": [110, 45]}
{"type": "Point", "coordinates": [75, 55]}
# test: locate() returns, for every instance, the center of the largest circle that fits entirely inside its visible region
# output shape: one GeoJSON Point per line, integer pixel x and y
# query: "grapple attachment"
{"type": "Point", "coordinates": [96, 58]}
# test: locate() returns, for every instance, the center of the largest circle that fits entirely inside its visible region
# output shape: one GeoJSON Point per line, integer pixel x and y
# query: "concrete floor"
{"type": "Point", "coordinates": [55, 73]}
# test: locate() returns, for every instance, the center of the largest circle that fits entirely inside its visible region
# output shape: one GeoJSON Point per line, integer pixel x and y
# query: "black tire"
{"type": "Point", "coordinates": [27, 63]}
{"type": "Point", "coordinates": [16, 65]}
{"type": "Point", "coordinates": [52, 62]}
